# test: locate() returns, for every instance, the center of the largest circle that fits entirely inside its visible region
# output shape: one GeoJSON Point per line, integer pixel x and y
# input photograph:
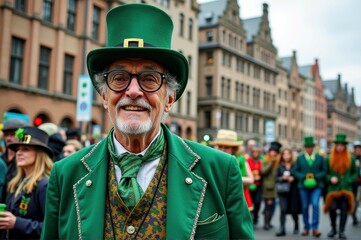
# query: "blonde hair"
{"type": "Point", "coordinates": [42, 168]}
{"type": "Point", "coordinates": [77, 144]}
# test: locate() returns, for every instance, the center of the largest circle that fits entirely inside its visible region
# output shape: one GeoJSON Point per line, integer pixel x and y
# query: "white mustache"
{"type": "Point", "coordinates": [138, 102]}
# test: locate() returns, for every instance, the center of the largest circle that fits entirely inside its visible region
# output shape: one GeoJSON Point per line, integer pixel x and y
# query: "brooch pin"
{"type": "Point", "coordinates": [24, 204]}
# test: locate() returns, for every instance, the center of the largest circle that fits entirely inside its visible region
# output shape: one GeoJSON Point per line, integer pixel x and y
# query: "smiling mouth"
{"type": "Point", "coordinates": [134, 108]}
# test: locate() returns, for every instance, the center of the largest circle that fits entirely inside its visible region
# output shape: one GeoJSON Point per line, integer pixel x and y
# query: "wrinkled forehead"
{"type": "Point", "coordinates": [138, 63]}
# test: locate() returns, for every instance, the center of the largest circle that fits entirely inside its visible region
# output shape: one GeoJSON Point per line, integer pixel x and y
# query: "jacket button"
{"type": "Point", "coordinates": [88, 183]}
{"type": "Point", "coordinates": [189, 180]}
{"type": "Point", "coordinates": [130, 229]}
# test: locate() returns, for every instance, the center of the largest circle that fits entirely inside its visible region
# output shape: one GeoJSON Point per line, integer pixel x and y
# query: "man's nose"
{"type": "Point", "coordinates": [134, 89]}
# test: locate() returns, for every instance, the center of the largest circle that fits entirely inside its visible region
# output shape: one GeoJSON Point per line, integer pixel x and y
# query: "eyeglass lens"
{"type": "Point", "coordinates": [149, 81]}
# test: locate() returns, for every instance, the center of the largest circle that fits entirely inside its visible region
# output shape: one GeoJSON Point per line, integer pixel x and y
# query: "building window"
{"type": "Point", "coordinates": [225, 119]}
{"type": "Point", "coordinates": [16, 62]}
{"type": "Point", "coordinates": [181, 24]}
{"type": "Point", "coordinates": [68, 74]}
{"type": "Point", "coordinates": [190, 29]}
{"type": "Point", "coordinates": [207, 119]}
{"type": "Point", "coordinates": [70, 24]}
{"type": "Point", "coordinates": [44, 65]}
{"type": "Point", "coordinates": [223, 87]}
{"type": "Point", "coordinates": [247, 95]}
{"type": "Point", "coordinates": [210, 58]}
{"type": "Point", "coordinates": [209, 36]}
{"type": "Point", "coordinates": [230, 40]}
{"type": "Point", "coordinates": [228, 89]}
{"type": "Point", "coordinates": [256, 72]}
{"type": "Point", "coordinates": [229, 60]}
{"type": "Point", "coordinates": [48, 10]}
{"type": "Point", "coordinates": [189, 100]}
{"type": "Point", "coordinates": [242, 93]}
{"type": "Point", "coordinates": [238, 122]}
{"type": "Point", "coordinates": [20, 5]}
{"type": "Point", "coordinates": [209, 85]}
{"type": "Point", "coordinates": [237, 92]}
{"type": "Point", "coordinates": [255, 125]}
{"type": "Point", "coordinates": [190, 65]}
{"type": "Point", "coordinates": [248, 69]}
{"type": "Point", "coordinates": [246, 125]}
{"type": "Point", "coordinates": [95, 24]}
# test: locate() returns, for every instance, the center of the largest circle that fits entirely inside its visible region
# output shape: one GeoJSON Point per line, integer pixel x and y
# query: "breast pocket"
{"type": "Point", "coordinates": [213, 227]}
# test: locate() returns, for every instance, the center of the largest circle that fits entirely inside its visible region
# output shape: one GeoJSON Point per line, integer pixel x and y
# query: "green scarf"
{"type": "Point", "coordinates": [128, 187]}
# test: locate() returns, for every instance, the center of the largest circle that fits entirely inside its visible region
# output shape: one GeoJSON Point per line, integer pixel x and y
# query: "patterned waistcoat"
{"type": "Point", "coordinates": [148, 218]}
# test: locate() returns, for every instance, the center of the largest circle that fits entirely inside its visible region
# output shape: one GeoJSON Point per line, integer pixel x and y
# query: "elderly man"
{"type": "Point", "coordinates": [142, 181]}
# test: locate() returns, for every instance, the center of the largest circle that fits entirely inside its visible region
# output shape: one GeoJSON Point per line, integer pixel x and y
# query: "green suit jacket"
{"type": "Point", "coordinates": [318, 169]}
{"type": "Point", "coordinates": [211, 206]}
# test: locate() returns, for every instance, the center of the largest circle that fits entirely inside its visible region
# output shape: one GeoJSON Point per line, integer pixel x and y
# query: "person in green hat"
{"type": "Point", "coordinates": [342, 172]}
{"type": "Point", "coordinates": [142, 181]}
{"type": "Point", "coordinates": [310, 171]}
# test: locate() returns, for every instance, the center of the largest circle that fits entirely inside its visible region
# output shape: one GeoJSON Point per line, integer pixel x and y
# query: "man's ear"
{"type": "Point", "coordinates": [169, 102]}
{"type": "Point", "coordinates": [105, 100]}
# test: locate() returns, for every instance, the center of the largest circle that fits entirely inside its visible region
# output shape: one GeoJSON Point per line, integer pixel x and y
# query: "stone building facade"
{"type": "Point", "coordinates": [43, 52]}
{"type": "Point", "coordinates": [237, 72]}
{"type": "Point", "coordinates": [342, 115]}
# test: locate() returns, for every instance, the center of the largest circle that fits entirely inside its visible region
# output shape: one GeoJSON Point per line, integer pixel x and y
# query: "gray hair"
{"type": "Point", "coordinates": [171, 83]}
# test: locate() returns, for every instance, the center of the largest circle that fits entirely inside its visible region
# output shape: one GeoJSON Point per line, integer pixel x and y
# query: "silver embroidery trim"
{"type": "Point", "coordinates": [74, 189]}
{"type": "Point", "coordinates": [200, 203]}
{"type": "Point", "coordinates": [203, 193]}
{"type": "Point", "coordinates": [193, 153]}
{"type": "Point", "coordinates": [87, 155]}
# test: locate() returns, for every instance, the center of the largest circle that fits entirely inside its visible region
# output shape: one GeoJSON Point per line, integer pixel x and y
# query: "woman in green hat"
{"type": "Point", "coordinates": [342, 172]}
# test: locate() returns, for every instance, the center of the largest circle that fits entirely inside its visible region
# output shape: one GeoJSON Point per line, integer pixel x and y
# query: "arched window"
{"type": "Point", "coordinates": [181, 25]}
{"type": "Point", "coordinates": [190, 29]}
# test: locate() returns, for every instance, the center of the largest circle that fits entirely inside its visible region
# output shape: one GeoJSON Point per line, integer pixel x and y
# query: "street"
{"type": "Point", "coordinates": [352, 232]}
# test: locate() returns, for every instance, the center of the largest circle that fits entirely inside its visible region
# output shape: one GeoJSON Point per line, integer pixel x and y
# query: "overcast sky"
{"type": "Point", "coordinates": [329, 30]}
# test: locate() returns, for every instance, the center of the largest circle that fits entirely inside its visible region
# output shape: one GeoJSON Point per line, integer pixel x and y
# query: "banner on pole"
{"type": "Point", "coordinates": [85, 99]}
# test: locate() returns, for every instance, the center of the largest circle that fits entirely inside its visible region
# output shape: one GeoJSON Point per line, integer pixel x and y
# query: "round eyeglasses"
{"type": "Point", "coordinates": [119, 80]}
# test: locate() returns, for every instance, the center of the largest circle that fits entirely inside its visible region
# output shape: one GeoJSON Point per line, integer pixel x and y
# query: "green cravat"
{"type": "Point", "coordinates": [128, 187]}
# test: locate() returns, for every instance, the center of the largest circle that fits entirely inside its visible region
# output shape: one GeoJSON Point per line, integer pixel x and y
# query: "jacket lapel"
{"type": "Point", "coordinates": [186, 190]}
{"type": "Point", "coordinates": [90, 191]}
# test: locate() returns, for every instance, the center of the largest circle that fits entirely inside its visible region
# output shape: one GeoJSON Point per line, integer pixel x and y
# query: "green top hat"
{"type": "Point", "coordinates": [309, 141]}
{"type": "Point", "coordinates": [341, 138]}
{"type": "Point", "coordinates": [139, 31]}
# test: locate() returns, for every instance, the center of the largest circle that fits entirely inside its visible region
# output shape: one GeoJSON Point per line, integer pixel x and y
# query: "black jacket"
{"type": "Point", "coordinates": [28, 223]}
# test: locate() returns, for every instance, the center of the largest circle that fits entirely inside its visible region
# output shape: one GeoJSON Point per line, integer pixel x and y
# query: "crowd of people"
{"type": "Point", "coordinates": [25, 165]}
{"type": "Point", "coordinates": [299, 181]}
{"type": "Point", "coordinates": [142, 180]}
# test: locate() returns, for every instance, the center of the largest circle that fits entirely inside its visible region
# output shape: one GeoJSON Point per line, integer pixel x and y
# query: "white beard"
{"type": "Point", "coordinates": [134, 128]}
